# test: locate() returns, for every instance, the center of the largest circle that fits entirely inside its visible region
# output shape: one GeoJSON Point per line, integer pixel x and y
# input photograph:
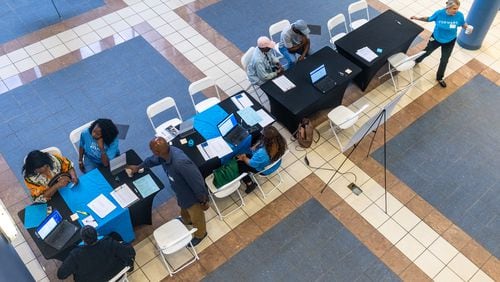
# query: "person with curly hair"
{"type": "Point", "coordinates": [269, 149]}
{"type": "Point", "coordinates": [98, 145]}
{"type": "Point", "coordinates": [44, 174]}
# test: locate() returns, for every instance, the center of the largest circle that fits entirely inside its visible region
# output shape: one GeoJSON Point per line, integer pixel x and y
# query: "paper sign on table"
{"type": "Point", "coordinates": [101, 205]}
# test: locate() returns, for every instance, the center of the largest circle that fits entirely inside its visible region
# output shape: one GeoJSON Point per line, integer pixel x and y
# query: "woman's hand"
{"type": "Point", "coordinates": [63, 181]}
{"type": "Point", "coordinates": [241, 157]}
{"type": "Point", "coordinates": [100, 144]}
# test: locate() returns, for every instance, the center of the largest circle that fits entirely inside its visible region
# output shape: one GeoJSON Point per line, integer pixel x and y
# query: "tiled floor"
{"type": "Point", "coordinates": [413, 239]}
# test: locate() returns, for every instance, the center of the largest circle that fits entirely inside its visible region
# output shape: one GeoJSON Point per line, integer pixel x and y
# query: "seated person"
{"type": "Point", "coordinates": [271, 147]}
{"type": "Point", "coordinates": [295, 40]}
{"type": "Point", "coordinates": [264, 64]}
{"type": "Point", "coordinates": [96, 260]}
{"type": "Point", "coordinates": [44, 174]}
{"type": "Point", "coordinates": [98, 145]}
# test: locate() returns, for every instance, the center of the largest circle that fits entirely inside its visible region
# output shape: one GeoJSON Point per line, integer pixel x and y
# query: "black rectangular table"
{"type": "Point", "coordinates": [290, 107]}
{"type": "Point", "coordinates": [207, 167]}
{"type": "Point", "coordinates": [389, 32]}
{"type": "Point", "coordinates": [140, 211]}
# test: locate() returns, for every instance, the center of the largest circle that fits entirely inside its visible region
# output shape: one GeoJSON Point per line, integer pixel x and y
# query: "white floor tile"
{"type": "Point", "coordinates": [216, 229]}
{"type": "Point", "coordinates": [145, 251]}
{"type": "Point", "coordinates": [447, 275]}
{"type": "Point", "coordinates": [463, 266]}
{"type": "Point", "coordinates": [480, 276]}
{"type": "Point", "coordinates": [18, 55]}
{"type": "Point", "coordinates": [36, 270]}
{"type": "Point", "coordinates": [410, 247]}
{"type": "Point", "coordinates": [358, 202]}
{"type": "Point", "coordinates": [25, 64]}
{"type": "Point", "coordinates": [374, 215]}
{"type": "Point", "coordinates": [443, 250]}
{"type": "Point", "coordinates": [5, 61]}
{"type": "Point", "coordinates": [155, 270]}
{"type": "Point", "coordinates": [406, 218]}
{"type": "Point", "coordinates": [392, 231]}
{"type": "Point", "coordinates": [41, 57]}
{"type": "Point", "coordinates": [25, 253]}
{"type": "Point", "coordinates": [424, 234]}
{"type": "Point", "coordinates": [8, 71]}
{"type": "Point", "coordinates": [429, 264]}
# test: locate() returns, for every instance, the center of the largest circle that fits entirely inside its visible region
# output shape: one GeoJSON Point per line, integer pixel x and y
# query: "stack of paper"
{"type": "Point", "coordinates": [283, 83]}
{"type": "Point", "coordinates": [216, 147]}
{"type": "Point", "coordinates": [250, 116]}
{"type": "Point", "coordinates": [101, 205]}
{"type": "Point", "coordinates": [266, 119]}
{"type": "Point", "coordinates": [89, 220]}
{"type": "Point", "coordinates": [124, 196]}
{"type": "Point", "coordinates": [367, 54]}
{"type": "Point", "coordinates": [241, 101]}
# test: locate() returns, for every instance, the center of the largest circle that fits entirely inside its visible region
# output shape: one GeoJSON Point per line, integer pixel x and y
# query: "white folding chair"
{"type": "Point", "coordinates": [224, 191]}
{"type": "Point", "coordinates": [170, 238]}
{"type": "Point", "coordinates": [278, 28]}
{"type": "Point", "coordinates": [74, 136]}
{"type": "Point", "coordinates": [333, 23]}
{"type": "Point", "coordinates": [269, 172]}
{"type": "Point", "coordinates": [245, 60]}
{"type": "Point", "coordinates": [199, 86]}
{"type": "Point", "coordinates": [343, 118]}
{"type": "Point", "coordinates": [121, 276]}
{"type": "Point", "coordinates": [401, 62]}
{"type": "Point", "coordinates": [159, 107]}
{"type": "Point", "coordinates": [357, 7]}
{"type": "Point", "coordinates": [52, 150]}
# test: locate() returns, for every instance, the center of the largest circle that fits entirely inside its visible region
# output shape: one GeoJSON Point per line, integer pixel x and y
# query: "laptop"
{"type": "Point", "coordinates": [321, 80]}
{"type": "Point", "coordinates": [55, 231]}
{"type": "Point", "coordinates": [186, 128]}
{"type": "Point", "coordinates": [231, 131]}
{"type": "Point", "coordinates": [118, 164]}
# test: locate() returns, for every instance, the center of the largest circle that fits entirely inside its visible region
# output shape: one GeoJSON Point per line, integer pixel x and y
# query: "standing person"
{"type": "Point", "coordinates": [444, 35]}
{"type": "Point", "coordinates": [264, 64]}
{"type": "Point", "coordinates": [269, 149]}
{"type": "Point", "coordinates": [44, 174]}
{"type": "Point", "coordinates": [98, 259]}
{"type": "Point", "coordinates": [186, 181]}
{"type": "Point", "coordinates": [295, 40]}
{"type": "Point", "coordinates": [98, 145]}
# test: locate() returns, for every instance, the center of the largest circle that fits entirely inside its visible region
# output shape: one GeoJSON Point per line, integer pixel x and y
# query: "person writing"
{"type": "Point", "coordinates": [271, 147]}
{"type": "Point", "coordinates": [186, 181]}
{"type": "Point", "coordinates": [98, 144]}
{"type": "Point", "coordinates": [264, 64]}
{"type": "Point", "coordinates": [46, 173]}
{"type": "Point", "coordinates": [295, 40]}
{"type": "Point", "coordinates": [447, 21]}
{"type": "Point", "coordinates": [98, 259]}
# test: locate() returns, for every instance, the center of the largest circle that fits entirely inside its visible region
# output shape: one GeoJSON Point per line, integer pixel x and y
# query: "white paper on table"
{"type": "Point", "coordinates": [241, 101]}
{"type": "Point", "coordinates": [89, 220]}
{"type": "Point", "coordinates": [367, 54]}
{"type": "Point", "coordinates": [283, 83]}
{"type": "Point", "coordinates": [216, 147]}
{"type": "Point", "coordinates": [250, 116]}
{"type": "Point", "coordinates": [124, 196]}
{"type": "Point", "coordinates": [101, 205]}
{"type": "Point", "coordinates": [266, 118]}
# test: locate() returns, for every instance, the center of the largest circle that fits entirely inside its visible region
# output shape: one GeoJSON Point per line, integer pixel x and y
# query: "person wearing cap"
{"type": "Point", "coordinates": [264, 64]}
{"type": "Point", "coordinates": [186, 181]}
{"type": "Point", "coordinates": [97, 259]}
{"type": "Point", "coordinates": [295, 40]}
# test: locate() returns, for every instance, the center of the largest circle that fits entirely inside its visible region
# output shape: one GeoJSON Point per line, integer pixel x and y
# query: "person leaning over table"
{"type": "Point", "coordinates": [271, 147]}
{"type": "Point", "coordinates": [46, 173]}
{"type": "Point", "coordinates": [264, 64]}
{"type": "Point", "coordinates": [447, 21]}
{"type": "Point", "coordinates": [98, 144]}
{"type": "Point", "coordinates": [186, 181]}
{"type": "Point", "coordinates": [98, 259]}
{"type": "Point", "coordinates": [295, 40]}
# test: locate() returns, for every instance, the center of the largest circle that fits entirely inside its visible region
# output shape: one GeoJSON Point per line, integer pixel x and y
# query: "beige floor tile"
{"type": "Point", "coordinates": [36, 269]}
{"type": "Point", "coordinates": [393, 204]}
{"type": "Point", "coordinates": [392, 231]}
{"type": "Point", "coordinates": [443, 250]}
{"type": "Point", "coordinates": [339, 186]}
{"type": "Point", "coordinates": [406, 218]}
{"type": "Point", "coordinates": [463, 266]}
{"type": "Point", "coordinates": [216, 229]}
{"type": "Point", "coordinates": [25, 253]}
{"type": "Point", "coordinates": [358, 202]}
{"type": "Point", "coordinates": [410, 247]}
{"type": "Point", "coordinates": [424, 234]}
{"type": "Point", "coordinates": [18, 55]}
{"type": "Point", "coordinates": [205, 243]}
{"type": "Point", "coordinates": [372, 189]}
{"type": "Point", "coordinates": [179, 258]}
{"type": "Point", "coordinates": [155, 270]}
{"type": "Point", "coordinates": [145, 251]}
{"type": "Point", "coordinates": [253, 203]}
{"type": "Point", "coordinates": [374, 215]}
{"type": "Point", "coordinates": [429, 264]}
{"type": "Point", "coordinates": [235, 218]}
{"type": "Point", "coordinates": [447, 275]}
{"type": "Point", "coordinates": [480, 276]}
{"type": "Point", "coordinates": [298, 170]}
{"type": "Point", "coordinates": [138, 276]}
{"type": "Point", "coordinates": [288, 182]}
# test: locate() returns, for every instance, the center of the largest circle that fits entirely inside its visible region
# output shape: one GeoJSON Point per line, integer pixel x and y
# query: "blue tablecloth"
{"type": "Point", "coordinates": [90, 186]}
{"type": "Point", "coordinates": [206, 122]}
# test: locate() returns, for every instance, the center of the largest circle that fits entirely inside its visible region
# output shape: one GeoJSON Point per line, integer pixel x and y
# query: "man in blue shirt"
{"type": "Point", "coordinates": [444, 35]}
{"type": "Point", "coordinates": [186, 181]}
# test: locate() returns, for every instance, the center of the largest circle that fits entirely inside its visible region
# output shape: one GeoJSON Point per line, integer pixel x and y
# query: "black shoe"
{"type": "Point", "coordinates": [442, 83]}
{"type": "Point", "coordinates": [131, 269]}
{"type": "Point", "coordinates": [195, 241]}
{"type": "Point", "coordinates": [250, 187]}
{"type": "Point", "coordinates": [179, 218]}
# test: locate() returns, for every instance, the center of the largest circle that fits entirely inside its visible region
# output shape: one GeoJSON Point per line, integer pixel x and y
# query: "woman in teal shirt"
{"type": "Point", "coordinates": [271, 147]}
{"type": "Point", "coordinates": [98, 145]}
{"type": "Point", "coordinates": [444, 35]}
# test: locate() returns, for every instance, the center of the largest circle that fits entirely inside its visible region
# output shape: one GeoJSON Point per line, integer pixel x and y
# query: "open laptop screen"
{"type": "Point", "coordinates": [227, 124]}
{"type": "Point", "coordinates": [318, 73]}
{"type": "Point", "coordinates": [49, 224]}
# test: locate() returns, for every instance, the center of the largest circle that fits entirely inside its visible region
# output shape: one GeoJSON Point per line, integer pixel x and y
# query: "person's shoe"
{"type": "Point", "coordinates": [179, 218]}
{"type": "Point", "coordinates": [250, 187]}
{"type": "Point", "coordinates": [195, 241]}
{"type": "Point", "coordinates": [442, 83]}
{"type": "Point", "coordinates": [131, 269]}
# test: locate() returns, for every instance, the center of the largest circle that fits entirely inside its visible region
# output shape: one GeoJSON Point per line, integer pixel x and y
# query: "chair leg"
{"type": "Point", "coordinates": [336, 137]}
{"type": "Point", "coordinates": [393, 80]}
{"type": "Point", "coordinates": [215, 205]}
{"type": "Point", "coordinates": [170, 271]}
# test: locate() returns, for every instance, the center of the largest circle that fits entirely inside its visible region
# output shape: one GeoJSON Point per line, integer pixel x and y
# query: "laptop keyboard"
{"type": "Point", "coordinates": [326, 84]}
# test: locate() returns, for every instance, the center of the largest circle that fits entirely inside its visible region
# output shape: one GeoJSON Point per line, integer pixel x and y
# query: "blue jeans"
{"type": "Point", "coordinates": [290, 58]}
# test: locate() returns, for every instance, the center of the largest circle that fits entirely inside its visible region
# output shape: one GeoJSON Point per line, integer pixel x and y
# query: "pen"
{"type": "Point", "coordinates": [82, 212]}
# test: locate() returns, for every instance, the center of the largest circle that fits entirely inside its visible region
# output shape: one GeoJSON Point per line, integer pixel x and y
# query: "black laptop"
{"type": "Point", "coordinates": [321, 80]}
{"type": "Point", "coordinates": [56, 231]}
{"type": "Point", "coordinates": [231, 131]}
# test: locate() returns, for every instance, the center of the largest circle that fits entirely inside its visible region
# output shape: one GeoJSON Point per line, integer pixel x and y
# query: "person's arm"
{"type": "Point", "coordinates": [423, 19]}
{"type": "Point", "coordinates": [124, 252]}
{"type": "Point", "coordinates": [261, 72]}
{"type": "Point", "coordinates": [147, 163]}
{"type": "Point", "coordinates": [111, 152]}
{"type": "Point", "coordinates": [104, 156]}
{"type": "Point", "coordinates": [67, 268]}
{"type": "Point", "coordinates": [81, 151]}
{"type": "Point", "coordinates": [306, 43]}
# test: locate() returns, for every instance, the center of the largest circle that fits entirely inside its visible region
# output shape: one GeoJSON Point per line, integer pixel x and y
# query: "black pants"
{"type": "Point", "coordinates": [243, 167]}
{"type": "Point", "coordinates": [446, 49]}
